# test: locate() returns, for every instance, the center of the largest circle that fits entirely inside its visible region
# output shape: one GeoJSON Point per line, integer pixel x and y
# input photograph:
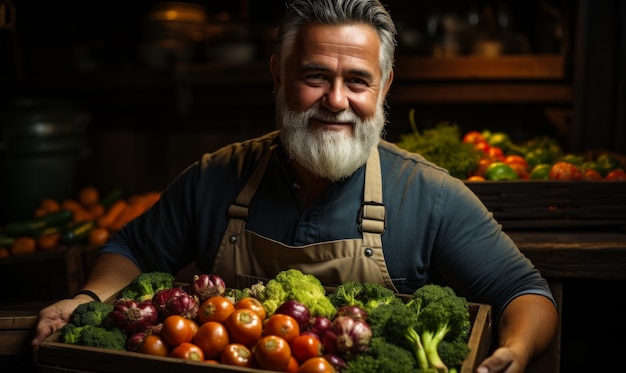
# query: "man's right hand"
{"type": "Point", "coordinates": [53, 317]}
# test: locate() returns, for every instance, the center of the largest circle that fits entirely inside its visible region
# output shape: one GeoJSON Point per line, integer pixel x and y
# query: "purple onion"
{"type": "Point", "coordinates": [347, 335]}
{"type": "Point", "coordinates": [182, 304]}
{"type": "Point", "coordinates": [355, 312]}
{"type": "Point", "coordinates": [297, 310]}
{"type": "Point", "coordinates": [134, 341]}
{"type": "Point", "coordinates": [160, 299]}
{"type": "Point", "coordinates": [132, 316]}
{"type": "Point", "coordinates": [318, 325]}
{"type": "Point", "coordinates": [205, 286]}
{"type": "Point", "coordinates": [336, 361]}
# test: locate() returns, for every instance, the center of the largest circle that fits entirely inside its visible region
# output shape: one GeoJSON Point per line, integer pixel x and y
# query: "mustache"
{"type": "Point", "coordinates": [346, 116]}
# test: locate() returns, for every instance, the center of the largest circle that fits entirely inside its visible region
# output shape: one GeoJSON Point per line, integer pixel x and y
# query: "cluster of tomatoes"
{"type": "Point", "coordinates": [239, 334]}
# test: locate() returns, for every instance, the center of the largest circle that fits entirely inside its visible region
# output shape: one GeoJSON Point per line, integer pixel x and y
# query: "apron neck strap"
{"type": "Point", "coordinates": [240, 208]}
{"type": "Point", "coordinates": [372, 213]}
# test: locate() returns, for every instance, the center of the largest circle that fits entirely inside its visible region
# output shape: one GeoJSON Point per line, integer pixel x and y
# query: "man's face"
{"type": "Point", "coordinates": [330, 98]}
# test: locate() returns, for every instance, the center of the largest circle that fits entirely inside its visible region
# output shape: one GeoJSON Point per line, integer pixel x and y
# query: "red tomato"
{"type": "Point", "coordinates": [616, 175]}
{"type": "Point", "coordinates": [483, 163]}
{"type": "Point", "coordinates": [293, 365]}
{"type": "Point", "coordinates": [306, 346]}
{"type": "Point", "coordinates": [244, 326]}
{"type": "Point", "coordinates": [592, 175]}
{"type": "Point", "coordinates": [473, 137]}
{"type": "Point", "coordinates": [188, 351]}
{"type": "Point", "coordinates": [316, 365]}
{"type": "Point", "coordinates": [272, 352]}
{"type": "Point", "coordinates": [517, 159]}
{"type": "Point", "coordinates": [476, 178]}
{"type": "Point", "coordinates": [283, 326]}
{"type": "Point", "coordinates": [238, 355]}
{"type": "Point", "coordinates": [216, 309]}
{"type": "Point", "coordinates": [252, 304]}
{"type": "Point", "coordinates": [212, 338]}
{"type": "Point", "coordinates": [521, 170]}
{"type": "Point", "coordinates": [178, 329]}
{"type": "Point", "coordinates": [565, 171]}
{"type": "Point", "coordinates": [483, 146]}
{"type": "Point", "coordinates": [496, 153]}
{"type": "Point", "coordinates": [154, 345]}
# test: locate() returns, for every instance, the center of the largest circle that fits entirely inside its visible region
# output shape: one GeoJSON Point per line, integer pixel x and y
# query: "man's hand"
{"type": "Point", "coordinates": [53, 317]}
{"type": "Point", "coordinates": [503, 360]}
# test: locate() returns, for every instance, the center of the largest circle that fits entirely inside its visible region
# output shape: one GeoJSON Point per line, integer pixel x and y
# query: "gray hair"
{"type": "Point", "coordinates": [339, 12]}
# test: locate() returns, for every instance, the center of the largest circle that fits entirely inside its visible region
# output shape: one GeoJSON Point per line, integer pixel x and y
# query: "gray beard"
{"type": "Point", "coordinates": [328, 154]}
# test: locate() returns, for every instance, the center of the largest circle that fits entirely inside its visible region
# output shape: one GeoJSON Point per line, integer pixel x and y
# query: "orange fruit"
{"type": "Point", "coordinates": [50, 205]}
{"type": "Point", "coordinates": [48, 241]}
{"type": "Point", "coordinates": [98, 236]}
{"type": "Point", "coordinates": [23, 245]}
{"type": "Point", "coordinates": [88, 196]}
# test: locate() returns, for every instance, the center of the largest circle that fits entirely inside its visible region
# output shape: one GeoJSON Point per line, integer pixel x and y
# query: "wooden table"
{"type": "Point", "coordinates": [562, 255]}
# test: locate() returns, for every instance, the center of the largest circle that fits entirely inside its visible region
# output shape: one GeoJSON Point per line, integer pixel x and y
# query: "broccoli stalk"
{"type": "Point", "coordinates": [441, 314]}
{"type": "Point", "coordinates": [418, 349]}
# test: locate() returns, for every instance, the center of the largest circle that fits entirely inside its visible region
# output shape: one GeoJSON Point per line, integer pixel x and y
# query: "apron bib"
{"type": "Point", "coordinates": [244, 257]}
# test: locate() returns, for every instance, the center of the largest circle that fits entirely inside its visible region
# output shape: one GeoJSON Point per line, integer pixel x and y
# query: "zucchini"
{"type": "Point", "coordinates": [77, 233]}
{"type": "Point", "coordinates": [6, 241]}
{"type": "Point", "coordinates": [110, 198]}
{"type": "Point", "coordinates": [33, 227]}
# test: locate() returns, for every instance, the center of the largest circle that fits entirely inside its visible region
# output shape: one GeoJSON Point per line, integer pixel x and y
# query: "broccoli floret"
{"type": "Point", "coordinates": [234, 295]}
{"type": "Point", "coordinates": [453, 353]}
{"type": "Point", "coordinates": [91, 313]}
{"type": "Point", "coordinates": [381, 356]}
{"type": "Point", "coordinates": [366, 295]}
{"type": "Point", "coordinates": [146, 284]}
{"type": "Point", "coordinates": [292, 284]}
{"type": "Point", "coordinates": [441, 314]}
{"type": "Point", "coordinates": [94, 336]}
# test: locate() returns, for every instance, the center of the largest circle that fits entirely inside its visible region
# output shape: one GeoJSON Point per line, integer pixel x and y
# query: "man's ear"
{"type": "Point", "coordinates": [388, 84]}
{"type": "Point", "coordinates": [275, 70]}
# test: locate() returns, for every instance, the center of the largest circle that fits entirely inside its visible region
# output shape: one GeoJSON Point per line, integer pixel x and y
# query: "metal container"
{"type": "Point", "coordinates": [42, 143]}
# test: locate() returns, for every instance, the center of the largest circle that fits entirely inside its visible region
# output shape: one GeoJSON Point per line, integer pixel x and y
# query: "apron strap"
{"type": "Point", "coordinates": [240, 208]}
{"type": "Point", "coordinates": [372, 213]}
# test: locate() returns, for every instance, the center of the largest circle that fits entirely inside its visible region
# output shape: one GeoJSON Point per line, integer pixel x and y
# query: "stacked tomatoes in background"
{"type": "Point", "coordinates": [540, 158]}
{"type": "Point", "coordinates": [200, 322]}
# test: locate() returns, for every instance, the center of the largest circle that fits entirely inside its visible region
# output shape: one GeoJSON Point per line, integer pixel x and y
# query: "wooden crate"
{"type": "Point", "coordinates": [17, 329]}
{"type": "Point", "coordinates": [54, 356]}
{"type": "Point", "coordinates": [547, 204]}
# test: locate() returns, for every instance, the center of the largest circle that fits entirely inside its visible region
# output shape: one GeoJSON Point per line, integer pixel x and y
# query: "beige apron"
{"type": "Point", "coordinates": [245, 257]}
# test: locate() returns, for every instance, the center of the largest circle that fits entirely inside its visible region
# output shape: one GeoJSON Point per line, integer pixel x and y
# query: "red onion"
{"type": "Point", "coordinates": [182, 304]}
{"type": "Point", "coordinates": [355, 312]}
{"type": "Point", "coordinates": [347, 335]}
{"type": "Point", "coordinates": [160, 299]}
{"type": "Point", "coordinates": [134, 341]}
{"type": "Point", "coordinates": [336, 361]}
{"type": "Point", "coordinates": [318, 325]}
{"type": "Point", "coordinates": [297, 310]}
{"type": "Point", "coordinates": [205, 286]}
{"type": "Point", "coordinates": [132, 316]}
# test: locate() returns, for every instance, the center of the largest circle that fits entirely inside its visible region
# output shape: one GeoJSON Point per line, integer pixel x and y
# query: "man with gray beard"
{"type": "Point", "coordinates": [326, 195]}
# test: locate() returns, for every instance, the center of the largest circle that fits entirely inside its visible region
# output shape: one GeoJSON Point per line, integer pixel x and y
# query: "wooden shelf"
{"type": "Point", "coordinates": [509, 67]}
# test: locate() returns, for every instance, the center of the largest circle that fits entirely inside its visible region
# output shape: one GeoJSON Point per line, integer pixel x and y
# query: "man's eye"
{"type": "Point", "coordinates": [314, 77]}
{"type": "Point", "coordinates": [356, 81]}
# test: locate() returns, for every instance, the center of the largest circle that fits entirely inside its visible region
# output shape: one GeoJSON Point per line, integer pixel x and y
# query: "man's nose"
{"type": "Point", "coordinates": [335, 99]}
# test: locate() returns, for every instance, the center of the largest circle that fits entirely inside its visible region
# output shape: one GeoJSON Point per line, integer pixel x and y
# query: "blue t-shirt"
{"type": "Point", "coordinates": [437, 230]}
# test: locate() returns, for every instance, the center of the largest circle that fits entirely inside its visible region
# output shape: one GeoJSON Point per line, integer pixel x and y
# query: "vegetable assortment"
{"type": "Point", "coordinates": [289, 325]}
{"type": "Point", "coordinates": [89, 218]}
{"type": "Point", "coordinates": [486, 155]}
